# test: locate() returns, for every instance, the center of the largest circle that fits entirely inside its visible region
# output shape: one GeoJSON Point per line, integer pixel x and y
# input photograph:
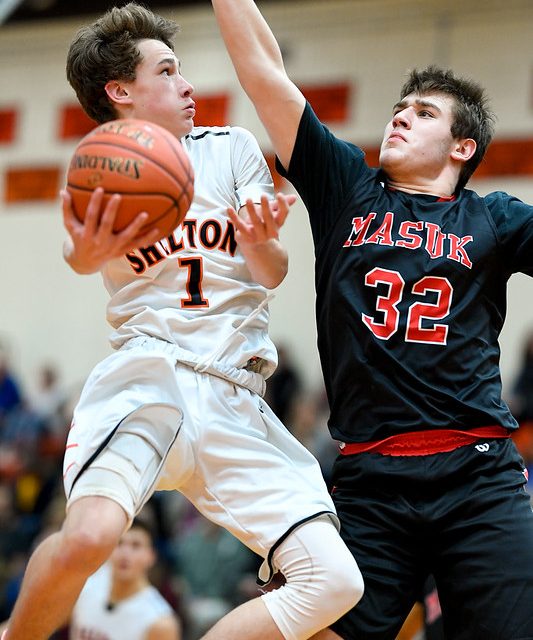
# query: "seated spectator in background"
{"type": "Point", "coordinates": [522, 393]}
{"type": "Point", "coordinates": [521, 403]}
{"type": "Point", "coordinates": [22, 431]}
{"type": "Point", "coordinates": [215, 568]}
{"type": "Point", "coordinates": [307, 421]}
{"type": "Point", "coordinates": [49, 401]}
{"type": "Point", "coordinates": [118, 602]}
{"type": "Point", "coordinates": [284, 385]}
{"type": "Point", "coordinates": [10, 395]}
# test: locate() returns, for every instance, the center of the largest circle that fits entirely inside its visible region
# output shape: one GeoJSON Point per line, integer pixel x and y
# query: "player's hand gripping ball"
{"type": "Point", "coordinates": [144, 163]}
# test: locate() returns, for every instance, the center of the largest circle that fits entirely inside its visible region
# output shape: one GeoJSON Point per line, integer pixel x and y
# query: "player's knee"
{"type": "Point", "coordinates": [334, 587]}
{"type": "Point", "coordinates": [323, 581]}
{"type": "Point", "coordinates": [314, 600]}
{"type": "Point", "coordinates": [86, 547]}
{"type": "Point", "coordinates": [345, 586]}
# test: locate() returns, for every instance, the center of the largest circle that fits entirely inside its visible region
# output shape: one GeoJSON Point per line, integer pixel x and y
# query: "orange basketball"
{"type": "Point", "coordinates": [141, 161]}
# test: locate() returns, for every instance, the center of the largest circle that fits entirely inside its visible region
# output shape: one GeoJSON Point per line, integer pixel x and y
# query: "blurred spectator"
{"type": "Point", "coordinates": [283, 385]}
{"type": "Point", "coordinates": [522, 393]}
{"type": "Point", "coordinates": [10, 395]}
{"type": "Point", "coordinates": [22, 430]}
{"type": "Point", "coordinates": [307, 421]}
{"type": "Point", "coordinates": [119, 602]}
{"type": "Point", "coordinates": [215, 568]}
{"type": "Point", "coordinates": [521, 404]}
{"type": "Point", "coordinates": [49, 401]}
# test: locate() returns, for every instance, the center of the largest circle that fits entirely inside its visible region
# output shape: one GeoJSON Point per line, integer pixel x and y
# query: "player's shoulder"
{"type": "Point", "coordinates": [156, 600]}
{"type": "Point", "coordinates": [507, 212]}
{"type": "Point", "coordinates": [165, 628]}
{"type": "Point", "coordinates": [501, 203]}
{"type": "Point", "coordinates": [208, 134]}
{"type": "Point", "coordinates": [212, 144]}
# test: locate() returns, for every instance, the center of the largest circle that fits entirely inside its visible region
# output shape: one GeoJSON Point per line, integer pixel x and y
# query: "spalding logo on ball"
{"type": "Point", "coordinates": [144, 163]}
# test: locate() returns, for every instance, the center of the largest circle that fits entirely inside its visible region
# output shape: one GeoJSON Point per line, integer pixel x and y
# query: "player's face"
{"type": "Point", "coordinates": [418, 142]}
{"type": "Point", "coordinates": [133, 556]}
{"type": "Point", "coordinates": [159, 92]}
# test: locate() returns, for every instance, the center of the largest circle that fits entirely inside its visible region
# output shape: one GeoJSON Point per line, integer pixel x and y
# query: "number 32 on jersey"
{"type": "Point", "coordinates": [422, 316]}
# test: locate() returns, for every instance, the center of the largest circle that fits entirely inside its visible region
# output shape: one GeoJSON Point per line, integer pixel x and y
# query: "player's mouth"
{"type": "Point", "coordinates": [190, 109]}
{"type": "Point", "coordinates": [395, 135]}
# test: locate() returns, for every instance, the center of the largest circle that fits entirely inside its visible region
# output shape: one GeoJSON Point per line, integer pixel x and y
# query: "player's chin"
{"type": "Point", "coordinates": [187, 126]}
{"type": "Point", "coordinates": [389, 158]}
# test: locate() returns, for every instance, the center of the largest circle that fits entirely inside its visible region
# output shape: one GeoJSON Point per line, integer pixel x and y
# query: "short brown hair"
{"type": "Point", "coordinates": [108, 50]}
{"type": "Point", "coordinates": [472, 117]}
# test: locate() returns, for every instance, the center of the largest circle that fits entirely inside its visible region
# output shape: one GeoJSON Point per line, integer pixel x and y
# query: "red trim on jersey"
{"type": "Point", "coordinates": [68, 469]}
{"type": "Point", "coordinates": [424, 443]}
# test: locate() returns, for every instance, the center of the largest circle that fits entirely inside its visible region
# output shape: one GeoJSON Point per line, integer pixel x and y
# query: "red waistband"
{"type": "Point", "coordinates": [424, 443]}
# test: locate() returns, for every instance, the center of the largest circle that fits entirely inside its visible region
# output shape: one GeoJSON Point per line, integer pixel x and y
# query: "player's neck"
{"type": "Point", "coordinates": [442, 184]}
{"type": "Point", "coordinates": [123, 589]}
{"type": "Point", "coordinates": [441, 190]}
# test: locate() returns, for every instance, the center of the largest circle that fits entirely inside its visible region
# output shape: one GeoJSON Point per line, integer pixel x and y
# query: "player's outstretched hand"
{"type": "Point", "coordinates": [261, 223]}
{"type": "Point", "coordinates": [92, 242]}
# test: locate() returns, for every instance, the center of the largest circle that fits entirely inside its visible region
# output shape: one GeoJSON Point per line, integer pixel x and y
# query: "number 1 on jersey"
{"type": "Point", "coordinates": [195, 273]}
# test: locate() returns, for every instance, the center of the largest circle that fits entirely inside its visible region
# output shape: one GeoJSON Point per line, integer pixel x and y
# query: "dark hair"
{"type": "Point", "coordinates": [108, 50]}
{"type": "Point", "coordinates": [141, 524]}
{"type": "Point", "coordinates": [471, 115]}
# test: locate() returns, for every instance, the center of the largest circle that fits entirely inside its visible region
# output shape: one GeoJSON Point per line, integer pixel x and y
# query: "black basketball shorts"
{"type": "Point", "coordinates": [463, 516]}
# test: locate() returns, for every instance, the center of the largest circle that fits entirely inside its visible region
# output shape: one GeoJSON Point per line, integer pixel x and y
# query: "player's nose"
{"type": "Point", "coordinates": [402, 119]}
{"type": "Point", "coordinates": [186, 88]}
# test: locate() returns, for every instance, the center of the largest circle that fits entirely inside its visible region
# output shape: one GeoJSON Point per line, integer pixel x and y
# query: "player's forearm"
{"type": "Point", "coordinates": [251, 45]}
{"type": "Point", "coordinates": [267, 262]}
{"type": "Point", "coordinates": [257, 59]}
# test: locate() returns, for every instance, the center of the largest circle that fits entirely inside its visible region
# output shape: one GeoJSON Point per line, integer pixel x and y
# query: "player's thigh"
{"type": "Point", "coordinates": [251, 475]}
{"type": "Point", "coordinates": [383, 538]}
{"type": "Point", "coordinates": [485, 572]}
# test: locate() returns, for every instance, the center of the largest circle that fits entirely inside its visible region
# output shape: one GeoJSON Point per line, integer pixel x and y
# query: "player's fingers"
{"type": "Point", "coordinates": [134, 232]}
{"type": "Point", "coordinates": [145, 239]}
{"type": "Point", "coordinates": [283, 204]}
{"type": "Point", "coordinates": [109, 215]}
{"type": "Point", "coordinates": [92, 213]}
{"type": "Point", "coordinates": [237, 221]}
{"type": "Point", "coordinates": [71, 222]}
{"type": "Point", "coordinates": [253, 214]}
{"type": "Point", "coordinates": [290, 198]}
{"type": "Point", "coordinates": [270, 222]}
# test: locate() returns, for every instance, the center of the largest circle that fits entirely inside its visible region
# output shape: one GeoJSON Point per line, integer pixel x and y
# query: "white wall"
{"type": "Point", "coordinates": [48, 313]}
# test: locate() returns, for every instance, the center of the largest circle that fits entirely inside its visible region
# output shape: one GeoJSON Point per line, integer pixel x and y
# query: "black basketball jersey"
{"type": "Point", "coordinates": [411, 293]}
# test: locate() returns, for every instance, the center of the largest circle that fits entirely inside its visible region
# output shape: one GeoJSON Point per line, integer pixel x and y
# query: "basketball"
{"type": "Point", "coordinates": [141, 161]}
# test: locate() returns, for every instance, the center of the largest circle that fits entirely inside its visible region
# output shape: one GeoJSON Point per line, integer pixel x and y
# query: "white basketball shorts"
{"type": "Point", "coordinates": [215, 441]}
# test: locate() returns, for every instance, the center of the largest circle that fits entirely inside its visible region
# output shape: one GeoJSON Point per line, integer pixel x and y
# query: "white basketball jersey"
{"type": "Point", "coordinates": [194, 288]}
{"type": "Point", "coordinates": [129, 619]}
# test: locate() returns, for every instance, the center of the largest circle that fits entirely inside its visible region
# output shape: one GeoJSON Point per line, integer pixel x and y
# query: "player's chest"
{"type": "Point", "coordinates": [390, 238]}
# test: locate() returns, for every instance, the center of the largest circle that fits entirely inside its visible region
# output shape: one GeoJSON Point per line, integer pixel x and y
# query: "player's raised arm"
{"type": "Point", "coordinates": [259, 65]}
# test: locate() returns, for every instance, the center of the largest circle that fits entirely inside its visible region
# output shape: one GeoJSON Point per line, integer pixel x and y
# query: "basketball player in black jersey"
{"type": "Point", "coordinates": [411, 275]}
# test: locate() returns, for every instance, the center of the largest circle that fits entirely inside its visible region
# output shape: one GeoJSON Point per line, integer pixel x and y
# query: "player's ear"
{"type": "Point", "coordinates": [464, 149]}
{"type": "Point", "coordinates": [117, 92]}
{"type": "Point", "coordinates": [152, 559]}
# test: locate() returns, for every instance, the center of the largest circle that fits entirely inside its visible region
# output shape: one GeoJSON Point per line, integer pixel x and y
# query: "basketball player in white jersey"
{"type": "Point", "coordinates": [118, 602]}
{"type": "Point", "coordinates": [179, 404]}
